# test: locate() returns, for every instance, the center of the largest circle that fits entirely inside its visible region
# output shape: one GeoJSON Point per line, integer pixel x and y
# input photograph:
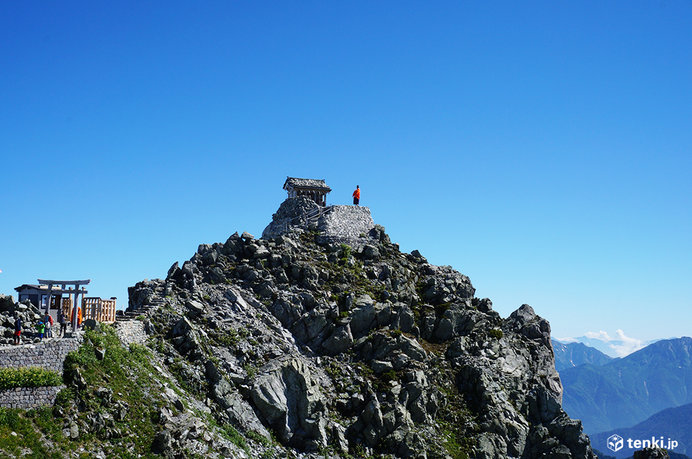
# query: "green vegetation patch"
{"type": "Point", "coordinates": [20, 429]}
{"type": "Point", "coordinates": [458, 447]}
{"type": "Point", "coordinates": [116, 384]}
{"type": "Point", "coordinates": [134, 383]}
{"type": "Point", "coordinates": [345, 251]}
{"type": "Point", "coordinates": [457, 424]}
{"type": "Point", "coordinates": [28, 377]}
{"type": "Point", "coordinates": [349, 271]}
{"type": "Point", "coordinates": [495, 333]}
{"type": "Point", "coordinates": [259, 438]}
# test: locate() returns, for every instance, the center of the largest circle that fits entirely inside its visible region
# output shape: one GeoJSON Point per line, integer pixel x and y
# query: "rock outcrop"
{"type": "Point", "coordinates": [292, 214]}
{"type": "Point", "coordinates": [9, 311]}
{"type": "Point", "coordinates": [356, 349]}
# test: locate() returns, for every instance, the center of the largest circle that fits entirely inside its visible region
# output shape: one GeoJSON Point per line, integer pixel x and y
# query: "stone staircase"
{"type": "Point", "coordinates": [313, 217]}
{"type": "Point", "coordinates": [124, 316]}
{"type": "Point", "coordinates": [309, 219]}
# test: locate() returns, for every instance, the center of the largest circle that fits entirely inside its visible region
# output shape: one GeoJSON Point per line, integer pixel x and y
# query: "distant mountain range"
{"type": "Point", "coordinates": [568, 355]}
{"type": "Point", "coordinates": [624, 392]}
{"type": "Point", "coordinates": [672, 423]}
{"type": "Point", "coordinates": [611, 346]}
{"type": "Point", "coordinates": [605, 346]}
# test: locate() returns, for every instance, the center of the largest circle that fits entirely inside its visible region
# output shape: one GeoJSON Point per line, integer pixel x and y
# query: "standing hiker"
{"type": "Point", "coordinates": [62, 322]}
{"type": "Point", "coordinates": [48, 322]}
{"type": "Point", "coordinates": [17, 329]}
{"type": "Point", "coordinates": [356, 196]}
{"type": "Point", "coordinates": [41, 327]}
{"type": "Point", "coordinates": [78, 311]}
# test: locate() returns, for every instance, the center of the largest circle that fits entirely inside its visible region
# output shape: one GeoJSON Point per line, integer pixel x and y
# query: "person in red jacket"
{"type": "Point", "coordinates": [356, 196]}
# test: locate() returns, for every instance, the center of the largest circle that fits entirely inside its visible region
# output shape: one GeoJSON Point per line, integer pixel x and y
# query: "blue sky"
{"type": "Point", "coordinates": [542, 148]}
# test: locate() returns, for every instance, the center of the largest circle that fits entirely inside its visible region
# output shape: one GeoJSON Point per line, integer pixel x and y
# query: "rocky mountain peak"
{"type": "Point", "coordinates": [333, 339]}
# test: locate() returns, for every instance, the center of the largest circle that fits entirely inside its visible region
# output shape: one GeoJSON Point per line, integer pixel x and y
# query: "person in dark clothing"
{"type": "Point", "coordinates": [17, 330]}
{"type": "Point", "coordinates": [356, 196]}
{"type": "Point", "coordinates": [62, 322]}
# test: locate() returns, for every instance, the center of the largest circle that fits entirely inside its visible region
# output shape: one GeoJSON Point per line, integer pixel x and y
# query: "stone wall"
{"type": "Point", "coordinates": [29, 397]}
{"type": "Point", "coordinates": [336, 223]}
{"type": "Point", "coordinates": [48, 354]}
{"type": "Point", "coordinates": [131, 332]}
{"type": "Point", "coordinates": [348, 224]}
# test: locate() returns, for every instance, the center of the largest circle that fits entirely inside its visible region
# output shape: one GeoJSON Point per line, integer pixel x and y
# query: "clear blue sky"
{"type": "Point", "coordinates": [542, 148]}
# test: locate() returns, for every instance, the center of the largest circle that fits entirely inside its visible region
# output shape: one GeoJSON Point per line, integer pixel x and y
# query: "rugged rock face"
{"type": "Point", "coordinates": [357, 351]}
{"type": "Point", "coordinates": [29, 314]}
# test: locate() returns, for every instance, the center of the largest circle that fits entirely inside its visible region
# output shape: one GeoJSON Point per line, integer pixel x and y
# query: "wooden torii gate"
{"type": "Point", "coordinates": [64, 290]}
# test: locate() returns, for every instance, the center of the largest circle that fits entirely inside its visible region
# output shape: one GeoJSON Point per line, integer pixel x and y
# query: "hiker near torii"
{"type": "Point", "coordinates": [62, 321]}
{"type": "Point", "coordinates": [77, 310]}
{"type": "Point", "coordinates": [48, 322]}
{"type": "Point", "coordinates": [356, 196]}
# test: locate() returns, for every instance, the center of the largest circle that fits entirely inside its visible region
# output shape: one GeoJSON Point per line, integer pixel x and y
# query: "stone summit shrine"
{"type": "Point", "coordinates": [306, 209]}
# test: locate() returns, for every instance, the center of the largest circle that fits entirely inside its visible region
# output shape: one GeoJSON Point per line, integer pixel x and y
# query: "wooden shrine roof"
{"type": "Point", "coordinates": [311, 184]}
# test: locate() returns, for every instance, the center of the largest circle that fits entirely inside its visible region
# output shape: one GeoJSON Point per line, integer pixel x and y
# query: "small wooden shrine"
{"type": "Point", "coordinates": [313, 188]}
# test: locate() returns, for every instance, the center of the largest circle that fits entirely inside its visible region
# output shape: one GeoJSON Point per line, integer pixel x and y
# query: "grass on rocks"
{"type": "Point", "coordinates": [134, 382]}
{"type": "Point", "coordinates": [22, 433]}
{"type": "Point", "coordinates": [28, 377]}
{"type": "Point", "coordinates": [135, 387]}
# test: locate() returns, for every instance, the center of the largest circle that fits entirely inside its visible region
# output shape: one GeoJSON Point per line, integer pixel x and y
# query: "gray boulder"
{"type": "Point", "coordinates": [289, 400]}
{"type": "Point", "coordinates": [6, 303]}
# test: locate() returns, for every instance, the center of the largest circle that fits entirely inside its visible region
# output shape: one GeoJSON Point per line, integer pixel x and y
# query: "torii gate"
{"type": "Point", "coordinates": [76, 291]}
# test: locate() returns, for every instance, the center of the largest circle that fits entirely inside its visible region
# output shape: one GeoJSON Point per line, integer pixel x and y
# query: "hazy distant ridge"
{"type": "Point", "coordinates": [674, 423]}
{"type": "Point", "coordinates": [626, 391]}
{"type": "Point", "coordinates": [569, 355]}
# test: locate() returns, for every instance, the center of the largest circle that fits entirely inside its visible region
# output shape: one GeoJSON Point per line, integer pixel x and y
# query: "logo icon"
{"type": "Point", "coordinates": [615, 443]}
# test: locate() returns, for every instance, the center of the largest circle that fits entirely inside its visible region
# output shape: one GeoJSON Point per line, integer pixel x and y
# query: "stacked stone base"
{"type": "Point", "coordinates": [49, 355]}
{"type": "Point", "coordinates": [29, 397]}
{"type": "Point", "coordinates": [335, 224]}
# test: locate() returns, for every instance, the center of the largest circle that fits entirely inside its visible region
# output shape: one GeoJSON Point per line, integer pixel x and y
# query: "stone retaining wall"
{"type": "Point", "coordinates": [337, 224]}
{"type": "Point", "coordinates": [48, 354]}
{"type": "Point", "coordinates": [131, 332]}
{"type": "Point", "coordinates": [346, 224]}
{"type": "Point", "coordinates": [29, 397]}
